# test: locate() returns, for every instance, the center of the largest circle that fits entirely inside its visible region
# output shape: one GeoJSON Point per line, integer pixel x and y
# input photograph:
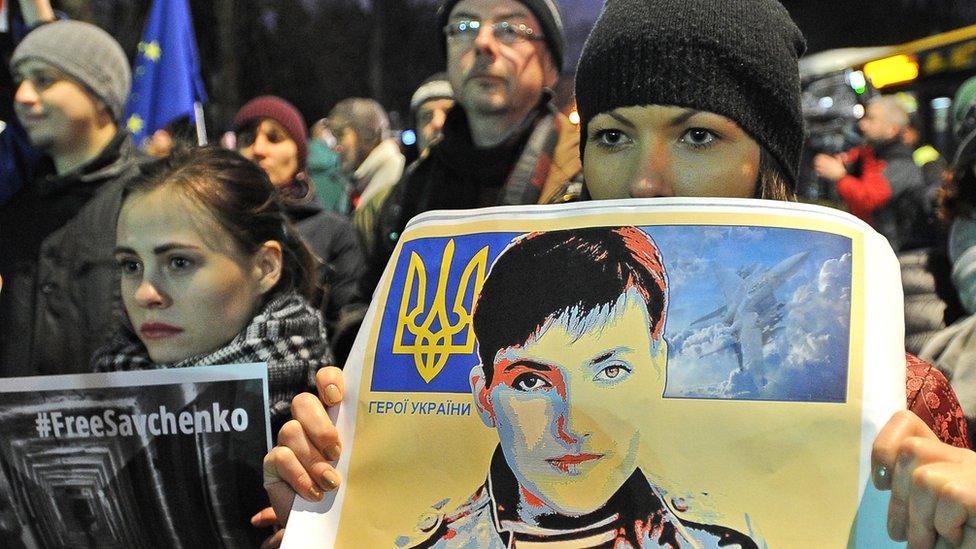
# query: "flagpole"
{"type": "Point", "coordinates": [167, 55]}
{"type": "Point", "coordinates": [201, 123]}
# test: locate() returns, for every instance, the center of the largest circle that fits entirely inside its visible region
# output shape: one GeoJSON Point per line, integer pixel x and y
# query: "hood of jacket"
{"type": "Point", "coordinates": [299, 199]}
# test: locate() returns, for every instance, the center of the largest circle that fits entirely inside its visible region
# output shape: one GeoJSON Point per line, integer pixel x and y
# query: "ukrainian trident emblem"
{"type": "Point", "coordinates": [435, 331]}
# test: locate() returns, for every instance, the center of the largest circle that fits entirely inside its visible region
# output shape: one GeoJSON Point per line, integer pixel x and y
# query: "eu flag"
{"type": "Point", "coordinates": [167, 81]}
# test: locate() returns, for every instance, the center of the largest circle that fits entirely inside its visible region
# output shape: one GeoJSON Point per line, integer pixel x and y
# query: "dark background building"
{"type": "Point", "coordinates": [317, 52]}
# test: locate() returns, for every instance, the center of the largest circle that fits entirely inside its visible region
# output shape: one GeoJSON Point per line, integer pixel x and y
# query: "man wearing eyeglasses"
{"type": "Point", "coordinates": [57, 232]}
{"type": "Point", "coordinates": [504, 142]}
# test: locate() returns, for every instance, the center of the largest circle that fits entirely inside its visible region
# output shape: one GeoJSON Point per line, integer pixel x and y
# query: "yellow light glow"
{"type": "Point", "coordinates": [574, 117]}
{"type": "Point", "coordinates": [891, 70]}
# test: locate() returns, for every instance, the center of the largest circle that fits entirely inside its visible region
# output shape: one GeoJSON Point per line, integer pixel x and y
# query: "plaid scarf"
{"type": "Point", "coordinates": [524, 184]}
{"type": "Point", "coordinates": [288, 334]}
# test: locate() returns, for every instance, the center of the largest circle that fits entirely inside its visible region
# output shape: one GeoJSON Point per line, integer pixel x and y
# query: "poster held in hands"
{"type": "Point", "coordinates": [156, 458]}
{"type": "Point", "coordinates": [629, 373]}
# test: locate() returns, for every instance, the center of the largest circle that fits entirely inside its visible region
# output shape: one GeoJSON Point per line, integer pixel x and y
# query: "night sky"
{"type": "Point", "coordinates": [262, 59]}
{"type": "Point", "coordinates": [831, 24]}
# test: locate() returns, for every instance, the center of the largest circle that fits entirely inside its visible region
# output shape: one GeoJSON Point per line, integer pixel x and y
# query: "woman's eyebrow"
{"type": "Point", "coordinates": [683, 117]}
{"type": "Point", "coordinates": [163, 248]}
{"type": "Point", "coordinates": [621, 118]}
{"type": "Point", "coordinates": [608, 355]}
{"type": "Point", "coordinates": [530, 364]}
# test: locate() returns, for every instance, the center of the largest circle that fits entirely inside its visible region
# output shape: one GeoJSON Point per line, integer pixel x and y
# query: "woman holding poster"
{"type": "Point", "coordinates": [213, 273]}
{"type": "Point", "coordinates": [676, 99]}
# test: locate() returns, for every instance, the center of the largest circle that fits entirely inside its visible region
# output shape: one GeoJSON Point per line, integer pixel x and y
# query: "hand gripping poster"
{"type": "Point", "coordinates": [676, 373]}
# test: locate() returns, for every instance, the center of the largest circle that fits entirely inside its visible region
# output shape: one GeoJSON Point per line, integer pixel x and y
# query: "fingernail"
{"type": "Point", "coordinates": [332, 395]}
{"type": "Point", "coordinates": [897, 531]}
{"type": "Point", "coordinates": [254, 519]}
{"type": "Point", "coordinates": [331, 478]}
{"type": "Point", "coordinates": [881, 477]}
{"type": "Point", "coordinates": [314, 494]}
{"type": "Point", "coordinates": [333, 452]}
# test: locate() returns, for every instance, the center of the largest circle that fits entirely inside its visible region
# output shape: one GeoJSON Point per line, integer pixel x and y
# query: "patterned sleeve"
{"type": "Point", "coordinates": [931, 398]}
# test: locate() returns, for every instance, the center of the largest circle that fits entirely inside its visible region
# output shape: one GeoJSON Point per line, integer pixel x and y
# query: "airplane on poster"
{"type": "Point", "coordinates": [753, 313]}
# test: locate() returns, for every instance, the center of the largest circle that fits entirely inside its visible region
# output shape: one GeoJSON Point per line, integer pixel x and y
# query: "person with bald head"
{"type": "Point", "coordinates": [875, 180]}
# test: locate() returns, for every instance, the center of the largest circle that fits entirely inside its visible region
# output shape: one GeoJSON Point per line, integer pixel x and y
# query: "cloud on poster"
{"type": "Point", "coordinates": [805, 353]}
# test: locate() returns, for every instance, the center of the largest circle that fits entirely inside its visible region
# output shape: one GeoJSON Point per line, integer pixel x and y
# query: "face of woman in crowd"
{"type": "Point", "coordinates": [270, 146]}
{"type": "Point", "coordinates": [186, 285]}
{"type": "Point", "coordinates": [658, 151]}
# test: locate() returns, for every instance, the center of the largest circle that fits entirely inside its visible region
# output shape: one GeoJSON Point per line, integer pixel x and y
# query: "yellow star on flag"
{"type": "Point", "coordinates": [135, 123]}
{"type": "Point", "coordinates": [152, 51]}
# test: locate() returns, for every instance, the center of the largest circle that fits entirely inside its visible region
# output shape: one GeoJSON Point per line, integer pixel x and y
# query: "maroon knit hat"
{"type": "Point", "coordinates": [282, 112]}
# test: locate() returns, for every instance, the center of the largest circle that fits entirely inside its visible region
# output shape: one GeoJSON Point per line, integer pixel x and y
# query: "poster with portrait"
{"type": "Point", "coordinates": [158, 458]}
{"type": "Point", "coordinates": [681, 372]}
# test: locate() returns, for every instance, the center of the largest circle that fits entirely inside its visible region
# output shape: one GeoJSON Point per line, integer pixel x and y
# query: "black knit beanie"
{"type": "Point", "coordinates": [546, 11]}
{"type": "Point", "coordinates": [737, 59]}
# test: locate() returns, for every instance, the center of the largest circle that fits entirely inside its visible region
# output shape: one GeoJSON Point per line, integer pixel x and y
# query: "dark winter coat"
{"type": "Point", "coordinates": [880, 189]}
{"type": "Point", "coordinates": [334, 240]}
{"type": "Point", "coordinates": [60, 297]}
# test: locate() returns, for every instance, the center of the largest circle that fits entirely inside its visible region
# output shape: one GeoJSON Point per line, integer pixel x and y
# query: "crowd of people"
{"type": "Point", "coordinates": [269, 248]}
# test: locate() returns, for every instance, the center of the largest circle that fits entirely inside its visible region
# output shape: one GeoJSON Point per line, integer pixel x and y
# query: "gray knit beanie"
{"type": "Point", "coordinates": [546, 11]}
{"type": "Point", "coordinates": [84, 52]}
{"type": "Point", "coordinates": [737, 59]}
{"type": "Point", "coordinates": [437, 86]}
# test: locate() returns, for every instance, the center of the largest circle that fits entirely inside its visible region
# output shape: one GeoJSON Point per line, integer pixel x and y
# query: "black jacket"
{"type": "Point", "coordinates": [334, 240]}
{"type": "Point", "coordinates": [60, 298]}
{"type": "Point", "coordinates": [897, 219]}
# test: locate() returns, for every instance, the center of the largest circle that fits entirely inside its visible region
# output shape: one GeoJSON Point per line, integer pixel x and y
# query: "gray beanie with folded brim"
{"type": "Point", "coordinates": [84, 52]}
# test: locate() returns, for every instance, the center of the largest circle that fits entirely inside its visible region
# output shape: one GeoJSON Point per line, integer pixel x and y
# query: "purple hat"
{"type": "Point", "coordinates": [282, 112]}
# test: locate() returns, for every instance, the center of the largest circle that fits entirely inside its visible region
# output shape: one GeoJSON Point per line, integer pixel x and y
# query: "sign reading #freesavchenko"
{"type": "Point", "coordinates": [157, 458]}
{"type": "Point", "coordinates": [684, 372]}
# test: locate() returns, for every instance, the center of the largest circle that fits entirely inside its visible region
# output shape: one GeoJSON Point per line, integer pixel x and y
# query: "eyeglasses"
{"type": "Point", "coordinates": [467, 30]}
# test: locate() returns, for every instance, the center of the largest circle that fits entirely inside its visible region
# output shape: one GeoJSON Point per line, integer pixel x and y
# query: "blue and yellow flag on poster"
{"type": "Point", "coordinates": [167, 81]}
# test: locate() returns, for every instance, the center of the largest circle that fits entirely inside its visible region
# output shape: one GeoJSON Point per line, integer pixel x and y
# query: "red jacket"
{"type": "Point", "coordinates": [865, 194]}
